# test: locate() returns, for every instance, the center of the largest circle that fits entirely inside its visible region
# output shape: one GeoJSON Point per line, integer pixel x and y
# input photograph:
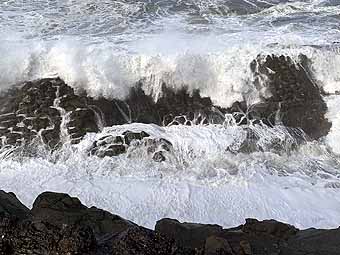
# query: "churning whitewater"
{"type": "Point", "coordinates": [104, 48]}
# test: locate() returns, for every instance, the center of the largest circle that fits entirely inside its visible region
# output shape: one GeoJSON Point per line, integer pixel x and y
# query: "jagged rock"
{"type": "Point", "coordinates": [291, 96]}
{"type": "Point", "coordinates": [187, 234]}
{"type": "Point", "coordinates": [58, 209]}
{"type": "Point", "coordinates": [38, 106]}
{"type": "Point", "coordinates": [11, 206]}
{"type": "Point", "coordinates": [294, 95]}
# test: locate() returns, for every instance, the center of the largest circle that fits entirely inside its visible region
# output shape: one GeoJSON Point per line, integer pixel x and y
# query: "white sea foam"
{"type": "Point", "coordinates": [205, 184]}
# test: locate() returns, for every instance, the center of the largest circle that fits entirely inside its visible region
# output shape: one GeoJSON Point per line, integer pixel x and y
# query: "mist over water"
{"type": "Point", "coordinates": [105, 47]}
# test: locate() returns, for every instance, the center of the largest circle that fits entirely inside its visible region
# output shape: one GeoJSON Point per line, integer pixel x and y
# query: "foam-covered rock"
{"type": "Point", "coordinates": [49, 109]}
{"type": "Point", "coordinates": [114, 145]}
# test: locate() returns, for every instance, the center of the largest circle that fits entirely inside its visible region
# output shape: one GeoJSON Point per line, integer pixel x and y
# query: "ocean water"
{"type": "Point", "coordinates": [105, 47]}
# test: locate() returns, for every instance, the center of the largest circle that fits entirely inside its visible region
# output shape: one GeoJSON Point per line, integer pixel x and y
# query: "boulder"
{"type": "Point", "coordinates": [59, 209]}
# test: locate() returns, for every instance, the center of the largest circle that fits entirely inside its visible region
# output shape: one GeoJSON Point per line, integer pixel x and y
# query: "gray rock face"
{"type": "Point", "coordinates": [295, 97]}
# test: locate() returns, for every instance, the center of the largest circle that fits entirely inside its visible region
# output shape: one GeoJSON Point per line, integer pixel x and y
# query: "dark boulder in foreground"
{"type": "Point", "coordinates": [60, 224]}
{"type": "Point", "coordinates": [51, 111]}
{"type": "Point", "coordinates": [59, 209]}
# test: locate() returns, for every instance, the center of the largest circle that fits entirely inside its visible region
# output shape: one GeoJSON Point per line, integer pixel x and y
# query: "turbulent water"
{"type": "Point", "coordinates": [105, 47]}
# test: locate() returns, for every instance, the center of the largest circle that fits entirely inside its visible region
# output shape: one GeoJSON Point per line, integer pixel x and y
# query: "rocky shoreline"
{"type": "Point", "coordinates": [61, 224]}
{"type": "Point", "coordinates": [51, 111]}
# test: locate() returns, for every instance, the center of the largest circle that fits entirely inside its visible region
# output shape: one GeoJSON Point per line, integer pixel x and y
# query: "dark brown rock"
{"type": "Point", "coordinates": [59, 209]}
{"type": "Point", "coordinates": [187, 234]}
{"type": "Point", "coordinates": [269, 227]}
{"type": "Point", "coordinates": [294, 95]}
{"type": "Point", "coordinates": [217, 246]}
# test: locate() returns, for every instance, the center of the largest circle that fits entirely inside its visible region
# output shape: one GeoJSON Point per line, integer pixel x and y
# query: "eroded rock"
{"type": "Point", "coordinates": [295, 99]}
{"type": "Point", "coordinates": [115, 145]}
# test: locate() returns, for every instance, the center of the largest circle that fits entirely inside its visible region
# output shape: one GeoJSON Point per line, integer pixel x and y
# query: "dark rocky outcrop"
{"type": "Point", "coordinates": [49, 109]}
{"type": "Point", "coordinates": [36, 110]}
{"type": "Point", "coordinates": [60, 224]}
{"type": "Point", "coordinates": [295, 97]}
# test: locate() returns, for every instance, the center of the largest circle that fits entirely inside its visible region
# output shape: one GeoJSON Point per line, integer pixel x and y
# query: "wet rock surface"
{"type": "Point", "coordinates": [38, 110]}
{"type": "Point", "coordinates": [110, 145]}
{"type": "Point", "coordinates": [51, 111]}
{"type": "Point", "coordinates": [295, 99]}
{"type": "Point", "coordinates": [60, 224]}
